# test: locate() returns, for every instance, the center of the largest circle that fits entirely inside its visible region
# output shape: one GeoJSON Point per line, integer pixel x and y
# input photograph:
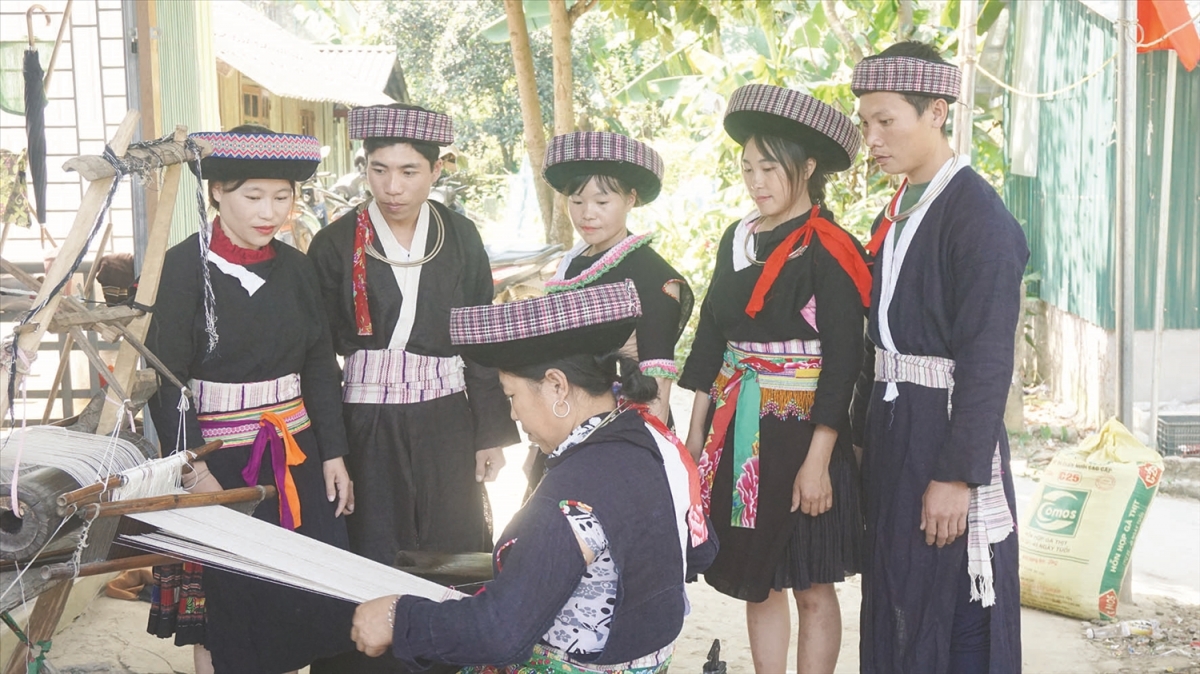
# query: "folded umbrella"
{"type": "Point", "coordinates": [35, 129]}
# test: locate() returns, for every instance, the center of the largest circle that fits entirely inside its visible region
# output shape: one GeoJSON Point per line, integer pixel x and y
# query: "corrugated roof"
{"type": "Point", "coordinates": [370, 65]}
{"type": "Point", "coordinates": [290, 67]}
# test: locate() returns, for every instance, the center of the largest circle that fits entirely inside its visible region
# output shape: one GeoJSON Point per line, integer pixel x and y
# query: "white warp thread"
{"type": "Point", "coordinates": [221, 537]}
{"type": "Point", "coordinates": [83, 456]}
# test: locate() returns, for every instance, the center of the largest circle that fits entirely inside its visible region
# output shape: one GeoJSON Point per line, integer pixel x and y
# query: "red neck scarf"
{"type": "Point", "coordinates": [889, 214]}
{"type": "Point", "coordinates": [222, 245]}
{"type": "Point", "coordinates": [358, 275]}
{"type": "Point", "coordinates": [836, 241]}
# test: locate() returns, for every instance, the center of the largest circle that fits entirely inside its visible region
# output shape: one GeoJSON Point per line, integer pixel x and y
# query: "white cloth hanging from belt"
{"type": "Point", "coordinates": [407, 278]}
{"type": "Point", "coordinates": [894, 252]}
{"type": "Point", "coordinates": [989, 520]}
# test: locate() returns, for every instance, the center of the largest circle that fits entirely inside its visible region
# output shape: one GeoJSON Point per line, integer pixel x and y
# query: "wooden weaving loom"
{"type": "Point", "coordinates": [60, 498]}
{"type": "Point", "coordinates": [114, 534]}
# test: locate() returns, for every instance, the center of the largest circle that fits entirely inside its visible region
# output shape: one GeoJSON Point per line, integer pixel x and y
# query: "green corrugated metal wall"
{"type": "Point", "coordinates": [1183, 245]}
{"type": "Point", "coordinates": [1068, 208]}
{"type": "Point", "coordinates": [188, 89]}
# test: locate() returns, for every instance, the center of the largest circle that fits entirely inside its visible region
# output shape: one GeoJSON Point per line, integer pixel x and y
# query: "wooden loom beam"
{"type": "Point", "coordinates": [156, 251]}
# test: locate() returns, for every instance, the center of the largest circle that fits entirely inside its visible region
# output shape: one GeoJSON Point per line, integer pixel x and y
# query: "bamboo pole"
{"type": "Point", "coordinates": [65, 570]}
{"type": "Point", "coordinates": [964, 114]}
{"type": "Point", "coordinates": [176, 501]}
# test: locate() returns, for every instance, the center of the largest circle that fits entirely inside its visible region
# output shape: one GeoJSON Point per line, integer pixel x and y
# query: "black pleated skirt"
{"type": "Point", "coordinates": [257, 627]}
{"type": "Point", "coordinates": [786, 549]}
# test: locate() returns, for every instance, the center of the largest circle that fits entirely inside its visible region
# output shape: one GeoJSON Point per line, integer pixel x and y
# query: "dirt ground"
{"type": "Point", "coordinates": [110, 635]}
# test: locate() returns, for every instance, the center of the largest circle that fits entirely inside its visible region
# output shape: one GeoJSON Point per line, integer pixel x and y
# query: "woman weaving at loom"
{"type": "Point", "coordinates": [589, 575]}
{"type": "Point", "coordinates": [240, 319]}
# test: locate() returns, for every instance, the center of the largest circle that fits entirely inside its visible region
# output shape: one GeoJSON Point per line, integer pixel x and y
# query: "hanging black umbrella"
{"type": "Point", "coordinates": [35, 120]}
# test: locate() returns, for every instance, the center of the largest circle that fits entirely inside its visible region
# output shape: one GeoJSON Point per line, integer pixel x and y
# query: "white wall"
{"type": "Point", "coordinates": [1078, 361]}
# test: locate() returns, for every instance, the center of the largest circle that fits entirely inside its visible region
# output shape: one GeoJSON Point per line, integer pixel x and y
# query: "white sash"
{"type": "Point", "coordinates": [250, 281]}
{"type": "Point", "coordinates": [741, 259]}
{"type": "Point", "coordinates": [561, 272]}
{"type": "Point", "coordinates": [894, 253]}
{"type": "Point", "coordinates": [408, 279]}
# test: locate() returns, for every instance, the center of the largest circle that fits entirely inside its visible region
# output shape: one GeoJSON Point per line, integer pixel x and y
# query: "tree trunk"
{"type": "Point", "coordinates": [531, 108]}
{"type": "Point", "coordinates": [906, 19]}
{"type": "Point", "coordinates": [839, 29]}
{"type": "Point", "coordinates": [564, 106]}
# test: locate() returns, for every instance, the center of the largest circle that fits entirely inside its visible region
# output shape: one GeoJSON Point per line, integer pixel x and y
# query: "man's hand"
{"type": "Point", "coordinates": [944, 512]}
{"type": "Point", "coordinates": [373, 625]}
{"type": "Point", "coordinates": [337, 485]}
{"type": "Point", "coordinates": [488, 463]}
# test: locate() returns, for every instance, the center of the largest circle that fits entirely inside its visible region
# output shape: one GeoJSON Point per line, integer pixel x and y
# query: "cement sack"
{"type": "Point", "coordinates": [1077, 539]}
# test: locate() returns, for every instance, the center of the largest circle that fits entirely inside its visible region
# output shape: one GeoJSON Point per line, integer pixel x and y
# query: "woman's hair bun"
{"type": "Point", "coordinates": [635, 386]}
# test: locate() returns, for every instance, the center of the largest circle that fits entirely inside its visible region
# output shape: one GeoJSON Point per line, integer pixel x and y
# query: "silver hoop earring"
{"type": "Point", "coordinates": [555, 409]}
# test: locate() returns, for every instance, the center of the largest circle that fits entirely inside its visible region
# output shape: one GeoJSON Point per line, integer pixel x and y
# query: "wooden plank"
{"type": "Point", "coordinates": [147, 294]}
{"type": "Point", "coordinates": [43, 620]}
{"type": "Point", "coordinates": [93, 201]}
{"type": "Point", "coordinates": [167, 154]}
{"type": "Point", "coordinates": [63, 321]}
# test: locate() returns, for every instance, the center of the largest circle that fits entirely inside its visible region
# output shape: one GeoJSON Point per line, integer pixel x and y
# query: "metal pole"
{"type": "Point", "coordinates": [1164, 231]}
{"type": "Point", "coordinates": [133, 101]}
{"type": "Point", "coordinates": [1126, 179]}
{"type": "Point", "coordinates": [964, 114]}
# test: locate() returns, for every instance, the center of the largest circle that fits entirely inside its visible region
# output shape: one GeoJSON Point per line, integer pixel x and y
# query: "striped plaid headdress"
{"type": "Point", "coordinates": [589, 153]}
{"type": "Point", "coordinates": [595, 320]}
{"type": "Point", "coordinates": [242, 156]}
{"type": "Point", "coordinates": [906, 75]}
{"type": "Point", "coordinates": [383, 121]}
{"type": "Point", "coordinates": [826, 134]}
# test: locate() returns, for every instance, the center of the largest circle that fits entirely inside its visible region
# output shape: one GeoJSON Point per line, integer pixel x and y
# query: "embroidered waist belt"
{"type": "Point", "coordinates": [395, 376]}
{"type": "Point", "coordinates": [989, 520]}
{"type": "Point", "coordinates": [756, 379]}
{"type": "Point", "coordinates": [268, 427]}
{"type": "Point", "coordinates": [549, 660]}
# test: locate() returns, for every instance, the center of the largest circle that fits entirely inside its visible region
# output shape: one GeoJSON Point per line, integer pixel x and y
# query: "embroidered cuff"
{"type": "Point", "coordinates": [663, 368]}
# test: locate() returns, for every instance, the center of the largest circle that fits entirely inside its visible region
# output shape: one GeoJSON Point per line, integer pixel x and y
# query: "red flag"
{"type": "Point", "coordinates": [1160, 17]}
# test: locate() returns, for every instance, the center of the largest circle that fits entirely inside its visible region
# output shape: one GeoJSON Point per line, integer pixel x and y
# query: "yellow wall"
{"type": "Point", "coordinates": [284, 116]}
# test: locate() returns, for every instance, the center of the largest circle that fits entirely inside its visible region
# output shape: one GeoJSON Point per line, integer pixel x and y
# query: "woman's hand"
{"type": "Point", "coordinates": [812, 492]}
{"type": "Point", "coordinates": [697, 428]}
{"type": "Point", "coordinates": [200, 480]}
{"type": "Point", "coordinates": [488, 463]}
{"type": "Point", "coordinates": [374, 622]}
{"type": "Point", "coordinates": [338, 486]}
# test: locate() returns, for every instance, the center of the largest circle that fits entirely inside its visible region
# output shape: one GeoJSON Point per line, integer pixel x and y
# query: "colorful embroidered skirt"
{"type": "Point", "coordinates": [547, 660]}
{"type": "Point", "coordinates": [177, 603]}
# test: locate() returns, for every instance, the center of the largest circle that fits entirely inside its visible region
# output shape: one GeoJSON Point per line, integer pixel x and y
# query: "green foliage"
{"type": "Point", "coordinates": [450, 68]}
